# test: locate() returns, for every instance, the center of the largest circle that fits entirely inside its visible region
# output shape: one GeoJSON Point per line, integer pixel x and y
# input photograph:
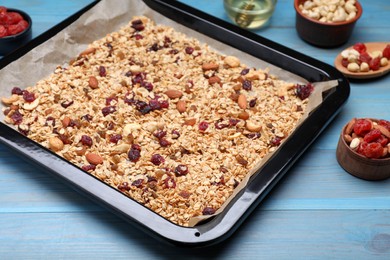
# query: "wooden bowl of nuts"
{"type": "Point", "coordinates": [326, 23]}
{"type": "Point", "coordinates": [364, 148]}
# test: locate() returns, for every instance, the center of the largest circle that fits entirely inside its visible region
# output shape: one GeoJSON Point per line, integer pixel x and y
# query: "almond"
{"type": "Point", "coordinates": [241, 101]}
{"type": "Point", "coordinates": [88, 51]}
{"type": "Point", "coordinates": [210, 66]}
{"type": "Point", "coordinates": [93, 82]}
{"type": "Point", "coordinates": [214, 79]}
{"type": "Point", "coordinates": [173, 93]}
{"type": "Point", "coordinates": [55, 144]}
{"type": "Point", "coordinates": [243, 115]}
{"type": "Point", "coordinates": [181, 106]}
{"type": "Point", "coordinates": [383, 130]}
{"type": "Point", "coordinates": [66, 121]}
{"type": "Point", "coordinates": [190, 121]}
{"type": "Point", "coordinates": [94, 158]}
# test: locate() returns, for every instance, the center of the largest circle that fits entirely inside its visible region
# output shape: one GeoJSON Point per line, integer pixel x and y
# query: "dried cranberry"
{"type": "Point", "coordinates": [276, 141]}
{"type": "Point", "coordinates": [147, 85]}
{"type": "Point", "coordinates": [134, 153]}
{"type": "Point", "coordinates": [17, 117]}
{"type": "Point", "coordinates": [157, 159]}
{"type": "Point", "coordinates": [372, 136]}
{"type": "Point", "coordinates": [360, 47]}
{"type": "Point", "coordinates": [203, 126]}
{"type": "Point", "coordinates": [174, 51]}
{"type": "Point", "coordinates": [124, 186]}
{"type": "Point", "coordinates": [50, 121]}
{"type": "Point", "coordinates": [23, 130]}
{"type": "Point", "coordinates": [137, 183]}
{"type": "Point", "coordinates": [67, 103]}
{"type": "Point", "coordinates": [17, 91]}
{"type": "Point", "coordinates": [362, 126]}
{"type": "Point", "coordinates": [164, 103]}
{"type": "Point", "coordinates": [115, 138]}
{"type": "Point", "coordinates": [110, 99]}
{"type": "Point", "coordinates": [160, 134]}
{"type": "Point", "coordinates": [155, 104]}
{"type": "Point", "coordinates": [90, 167]}
{"type": "Point", "coordinates": [189, 50]}
{"type": "Point", "coordinates": [28, 96]}
{"type": "Point", "coordinates": [244, 71]}
{"type": "Point", "coordinates": [233, 122]}
{"type": "Point", "coordinates": [175, 134]}
{"type": "Point", "coordinates": [87, 117]}
{"type": "Point", "coordinates": [138, 25]}
{"type": "Point", "coordinates": [154, 47]}
{"type": "Point", "coordinates": [108, 110]}
{"type": "Point", "coordinates": [138, 78]}
{"type": "Point", "coordinates": [102, 71]}
{"type": "Point", "coordinates": [219, 125]}
{"type": "Point", "coordinates": [164, 142]}
{"type": "Point", "coordinates": [181, 170]}
{"type": "Point", "coordinates": [138, 36]}
{"type": "Point", "coordinates": [74, 123]}
{"type": "Point", "coordinates": [170, 183]}
{"type": "Point", "coordinates": [247, 85]}
{"type": "Point", "coordinates": [253, 135]}
{"type": "Point", "coordinates": [167, 41]}
{"type": "Point", "coordinates": [86, 140]}
{"type": "Point", "coordinates": [304, 91]}
{"type": "Point", "coordinates": [110, 125]}
{"type": "Point", "coordinates": [208, 211]}
{"type": "Point", "coordinates": [252, 102]}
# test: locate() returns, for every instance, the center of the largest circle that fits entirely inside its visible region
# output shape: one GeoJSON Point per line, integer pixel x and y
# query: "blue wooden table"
{"type": "Point", "coordinates": [316, 211]}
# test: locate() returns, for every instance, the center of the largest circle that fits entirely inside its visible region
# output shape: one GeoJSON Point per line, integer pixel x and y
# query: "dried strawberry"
{"type": "Point", "coordinates": [382, 140]}
{"type": "Point", "coordinates": [386, 51]}
{"type": "Point", "coordinates": [365, 57]}
{"type": "Point", "coordinates": [362, 126]}
{"type": "Point", "coordinates": [3, 31]}
{"type": "Point", "coordinates": [373, 150]}
{"type": "Point", "coordinates": [375, 63]}
{"type": "Point", "coordinates": [385, 123]}
{"type": "Point", "coordinates": [344, 62]}
{"type": "Point", "coordinates": [372, 136]}
{"type": "Point", "coordinates": [360, 47]}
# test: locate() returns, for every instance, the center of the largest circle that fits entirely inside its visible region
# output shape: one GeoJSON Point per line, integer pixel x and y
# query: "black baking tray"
{"type": "Point", "coordinates": [223, 225]}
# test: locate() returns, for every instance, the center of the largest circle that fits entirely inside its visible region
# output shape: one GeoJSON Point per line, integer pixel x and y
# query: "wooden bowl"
{"type": "Point", "coordinates": [359, 165]}
{"type": "Point", "coordinates": [324, 34]}
{"type": "Point", "coordinates": [13, 42]}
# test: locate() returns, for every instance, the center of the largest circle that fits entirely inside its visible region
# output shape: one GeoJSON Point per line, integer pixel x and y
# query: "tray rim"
{"type": "Point", "coordinates": [223, 225]}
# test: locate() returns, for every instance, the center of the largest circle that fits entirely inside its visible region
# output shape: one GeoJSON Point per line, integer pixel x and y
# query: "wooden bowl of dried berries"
{"type": "Point", "coordinates": [15, 29]}
{"type": "Point", "coordinates": [364, 148]}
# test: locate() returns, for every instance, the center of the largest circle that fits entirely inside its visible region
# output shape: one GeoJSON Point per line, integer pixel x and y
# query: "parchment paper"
{"type": "Point", "coordinates": [108, 16]}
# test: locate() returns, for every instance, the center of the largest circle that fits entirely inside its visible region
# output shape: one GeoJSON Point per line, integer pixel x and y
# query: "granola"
{"type": "Point", "coordinates": [160, 117]}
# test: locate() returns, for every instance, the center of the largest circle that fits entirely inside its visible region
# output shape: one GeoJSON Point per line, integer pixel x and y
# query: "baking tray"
{"type": "Point", "coordinates": [222, 226]}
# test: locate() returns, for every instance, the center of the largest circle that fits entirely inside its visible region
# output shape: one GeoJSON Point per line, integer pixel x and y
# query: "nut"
{"type": "Point", "coordinates": [214, 79]}
{"type": "Point", "coordinates": [94, 158]}
{"type": "Point", "coordinates": [190, 122]}
{"type": "Point", "coordinates": [243, 115]}
{"type": "Point", "coordinates": [241, 101]}
{"type": "Point", "coordinates": [173, 93]}
{"type": "Point", "coordinates": [232, 62]}
{"type": "Point", "coordinates": [129, 128]}
{"type": "Point", "coordinates": [93, 82]}
{"type": "Point", "coordinates": [354, 143]}
{"type": "Point", "coordinates": [66, 121]}
{"type": "Point", "coordinates": [55, 144]}
{"type": "Point", "coordinates": [88, 51]}
{"type": "Point", "coordinates": [32, 105]}
{"type": "Point", "coordinates": [353, 67]}
{"type": "Point", "coordinates": [10, 100]}
{"type": "Point", "coordinates": [210, 66]}
{"type": "Point", "coordinates": [119, 149]}
{"type": "Point", "coordinates": [349, 128]}
{"type": "Point", "coordinates": [181, 106]}
{"type": "Point", "coordinates": [383, 130]}
{"type": "Point", "coordinates": [251, 126]}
